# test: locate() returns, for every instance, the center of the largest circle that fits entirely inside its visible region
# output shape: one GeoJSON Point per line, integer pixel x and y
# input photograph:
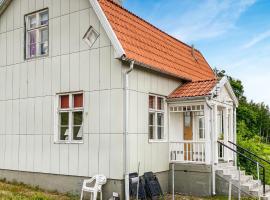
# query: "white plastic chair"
{"type": "Point", "coordinates": [99, 181]}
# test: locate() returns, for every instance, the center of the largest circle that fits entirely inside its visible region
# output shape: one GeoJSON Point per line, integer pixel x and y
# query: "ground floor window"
{"type": "Point", "coordinates": [156, 117]}
{"type": "Point", "coordinates": [70, 117]}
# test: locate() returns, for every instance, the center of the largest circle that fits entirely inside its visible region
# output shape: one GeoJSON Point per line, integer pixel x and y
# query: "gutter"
{"type": "Point", "coordinates": [162, 72]}
{"type": "Point", "coordinates": [188, 98]}
{"type": "Point", "coordinates": [125, 127]}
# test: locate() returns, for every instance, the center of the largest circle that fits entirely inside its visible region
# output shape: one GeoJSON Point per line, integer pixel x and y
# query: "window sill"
{"type": "Point", "coordinates": [37, 57]}
{"type": "Point", "coordinates": [68, 142]}
{"type": "Point", "coordinates": [157, 140]}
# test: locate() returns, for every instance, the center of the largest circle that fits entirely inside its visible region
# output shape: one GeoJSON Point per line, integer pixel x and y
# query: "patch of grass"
{"type": "Point", "coordinates": [180, 197]}
{"type": "Point", "coordinates": [19, 191]}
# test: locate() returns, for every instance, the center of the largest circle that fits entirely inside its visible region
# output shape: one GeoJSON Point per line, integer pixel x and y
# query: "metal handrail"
{"type": "Point", "coordinates": [253, 161]}
{"type": "Point", "coordinates": [249, 152]}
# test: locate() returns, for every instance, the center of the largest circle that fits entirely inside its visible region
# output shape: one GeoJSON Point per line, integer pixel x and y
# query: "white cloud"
{"type": "Point", "coordinates": [254, 72]}
{"type": "Point", "coordinates": [209, 19]}
{"type": "Point", "coordinates": [257, 39]}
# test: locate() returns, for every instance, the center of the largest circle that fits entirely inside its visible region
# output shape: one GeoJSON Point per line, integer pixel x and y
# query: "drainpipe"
{"type": "Point", "coordinates": [126, 113]}
{"type": "Point", "coordinates": [213, 147]}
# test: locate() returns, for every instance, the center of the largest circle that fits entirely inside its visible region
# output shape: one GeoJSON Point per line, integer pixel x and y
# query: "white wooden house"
{"type": "Point", "coordinates": [87, 87]}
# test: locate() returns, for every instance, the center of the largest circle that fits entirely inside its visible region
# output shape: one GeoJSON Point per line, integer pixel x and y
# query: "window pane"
{"type": "Point", "coordinates": [44, 41]}
{"type": "Point", "coordinates": [64, 101]}
{"type": "Point", "coordinates": [160, 119]}
{"type": "Point", "coordinates": [78, 100]}
{"type": "Point", "coordinates": [77, 133]}
{"type": "Point", "coordinates": [44, 18]}
{"type": "Point", "coordinates": [152, 102]}
{"type": "Point", "coordinates": [187, 119]}
{"type": "Point", "coordinates": [160, 131]}
{"type": "Point", "coordinates": [32, 21]}
{"type": "Point", "coordinates": [77, 118]}
{"type": "Point", "coordinates": [160, 103]}
{"type": "Point", "coordinates": [32, 43]}
{"type": "Point", "coordinates": [201, 123]}
{"type": "Point", "coordinates": [201, 128]}
{"type": "Point", "coordinates": [77, 125]}
{"type": "Point", "coordinates": [201, 133]}
{"type": "Point", "coordinates": [151, 119]}
{"type": "Point", "coordinates": [151, 132]}
{"type": "Point", "coordinates": [64, 133]}
{"type": "Point", "coordinates": [64, 119]}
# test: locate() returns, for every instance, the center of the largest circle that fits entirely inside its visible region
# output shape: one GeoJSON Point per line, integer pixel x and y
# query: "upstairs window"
{"type": "Point", "coordinates": [37, 34]}
{"type": "Point", "coordinates": [156, 117]}
{"type": "Point", "coordinates": [70, 117]}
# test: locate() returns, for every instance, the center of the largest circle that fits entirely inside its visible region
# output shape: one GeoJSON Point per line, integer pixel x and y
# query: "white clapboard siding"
{"type": "Point", "coordinates": [152, 156]}
{"type": "Point", "coordinates": [28, 91]}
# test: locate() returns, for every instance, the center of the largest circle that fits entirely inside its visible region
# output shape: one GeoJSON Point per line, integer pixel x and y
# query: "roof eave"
{"type": "Point", "coordinates": [4, 5]}
{"type": "Point", "coordinates": [124, 58]}
{"type": "Point", "coordinates": [119, 50]}
{"type": "Point", "coordinates": [202, 97]}
{"type": "Point", "coordinates": [225, 82]}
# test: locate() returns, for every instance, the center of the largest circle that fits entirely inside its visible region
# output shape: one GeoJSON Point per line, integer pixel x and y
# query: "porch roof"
{"type": "Point", "coordinates": [194, 89]}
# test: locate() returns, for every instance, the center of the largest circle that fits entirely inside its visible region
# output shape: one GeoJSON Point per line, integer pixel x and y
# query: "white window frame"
{"type": "Point", "coordinates": [155, 111]}
{"type": "Point", "coordinates": [69, 110]}
{"type": "Point", "coordinates": [38, 28]}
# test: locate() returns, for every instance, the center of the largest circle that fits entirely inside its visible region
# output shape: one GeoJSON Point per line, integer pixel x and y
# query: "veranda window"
{"type": "Point", "coordinates": [37, 34]}
{"type": "Point", "coordinates": [200, 124]}
{"type": "Point", "coordinates": [156, 117]}
{"type": "Point", "coordinates": [70, 115]}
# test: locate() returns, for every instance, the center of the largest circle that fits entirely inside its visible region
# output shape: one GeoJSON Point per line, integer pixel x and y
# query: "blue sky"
{"type": "Point", "coordinates": [232, 34]}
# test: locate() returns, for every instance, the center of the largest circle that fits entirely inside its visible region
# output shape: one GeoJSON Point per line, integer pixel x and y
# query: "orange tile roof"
{"type": "Point", "coordinates": [194, 89]}
{"type": "Point", "coordinates": [154, 48]}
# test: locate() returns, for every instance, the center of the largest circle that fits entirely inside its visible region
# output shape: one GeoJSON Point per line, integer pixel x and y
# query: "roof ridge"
{"type": "Point", "coordinates": [205, 80]}
{"type": "Point", "coordinates": [187, 45]}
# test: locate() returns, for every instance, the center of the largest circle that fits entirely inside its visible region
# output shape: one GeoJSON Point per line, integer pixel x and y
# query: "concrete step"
{"type": "Point", "coordinates": [225, 164]}
{"type": "Point", "coordinates": [248, 184]}
{"type": "Point", "coordinates": [265, 197]}
{"type": "Point", "coordinates": [226, 167]}
{"type": "Point", "coordinates": [228, 171]}
{"type": "Point", "coordinates": [258, 191]}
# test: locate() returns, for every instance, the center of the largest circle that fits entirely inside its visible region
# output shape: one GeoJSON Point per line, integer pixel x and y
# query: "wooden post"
{"type": "Point", "coordinates": [234, 134]}
{"type": "Point", "coordinates": [172, 181]}
{"type": "Point", "coordinates": [215, 134]}
{"type": "Point", "coordinates": [225, 129]}
{"type": "Point", "coordinates": [207, 132]}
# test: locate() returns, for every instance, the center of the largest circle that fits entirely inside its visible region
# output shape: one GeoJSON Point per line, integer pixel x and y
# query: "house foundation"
{"type": "Point", "coordinates": [191, 179]}
{"type": "Point", "coordinates": [60, 183]}
{"type": "Point", "coordinates": [72, 184]}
